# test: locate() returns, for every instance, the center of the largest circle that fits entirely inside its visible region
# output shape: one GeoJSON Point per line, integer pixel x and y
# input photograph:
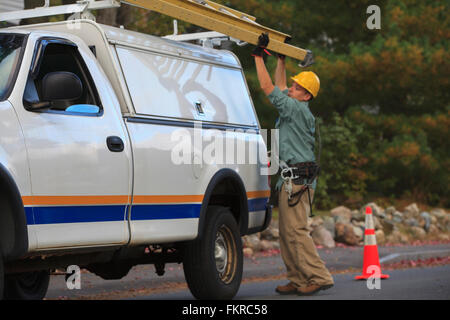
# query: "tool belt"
{"type": "Point", "coordinates": [303, 173]}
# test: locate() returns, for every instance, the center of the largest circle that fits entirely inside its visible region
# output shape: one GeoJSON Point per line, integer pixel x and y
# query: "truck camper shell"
{"type": "Point", "coordinates": [125, 57]}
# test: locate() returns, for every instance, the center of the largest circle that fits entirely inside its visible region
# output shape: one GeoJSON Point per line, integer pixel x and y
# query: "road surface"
{"type": "Point", "coordinates": [263, 273]}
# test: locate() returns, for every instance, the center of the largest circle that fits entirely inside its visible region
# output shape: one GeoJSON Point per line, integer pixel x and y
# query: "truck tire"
{"type": "Point", "coordinates": [27, 286]}
{"type": "Point", "coordinates": [213, 264]}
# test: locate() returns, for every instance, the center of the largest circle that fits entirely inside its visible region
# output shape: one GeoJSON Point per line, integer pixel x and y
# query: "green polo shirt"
{"type": "Point", "coordinates": [296, 126]}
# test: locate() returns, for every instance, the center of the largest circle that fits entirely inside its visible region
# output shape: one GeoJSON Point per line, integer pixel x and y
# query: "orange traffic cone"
{"type": "Point", "coordinates": [371, 265]}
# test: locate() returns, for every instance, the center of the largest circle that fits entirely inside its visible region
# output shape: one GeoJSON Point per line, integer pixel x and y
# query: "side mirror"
{"type": "Point", "coordinates": [84, 108]}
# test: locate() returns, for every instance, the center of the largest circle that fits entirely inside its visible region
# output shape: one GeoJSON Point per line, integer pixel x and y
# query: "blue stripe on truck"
{"type": "Point", "coordinates": [99, 213]}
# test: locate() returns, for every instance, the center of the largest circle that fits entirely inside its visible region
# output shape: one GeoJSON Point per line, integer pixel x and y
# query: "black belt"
{"type": "Point", "coordinates": [303, 173]}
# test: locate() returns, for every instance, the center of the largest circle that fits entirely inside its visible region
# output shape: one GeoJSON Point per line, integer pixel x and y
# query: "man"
{"type": "Point", "coordinates": [306, 272]}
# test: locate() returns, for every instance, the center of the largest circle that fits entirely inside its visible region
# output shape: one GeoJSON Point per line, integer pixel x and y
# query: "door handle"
{"type": "Point", "coordinates": [199, 108]}
{"type": "Point", "coordinates": [115, 144]}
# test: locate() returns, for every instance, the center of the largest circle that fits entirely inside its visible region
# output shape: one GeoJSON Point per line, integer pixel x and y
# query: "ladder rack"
{"type": "Point", "coordinates": [80, 7]}
{"type": "Point", "coordinates": [203, 13]}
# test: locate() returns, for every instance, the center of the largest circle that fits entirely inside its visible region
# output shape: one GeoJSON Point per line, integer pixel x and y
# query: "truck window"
{"type": "Point", "coordinates": [59, 57]}
{"type": "Point", "coordinates": [10, 52]}
{"type": "Point", "coordinates": [171, 87]}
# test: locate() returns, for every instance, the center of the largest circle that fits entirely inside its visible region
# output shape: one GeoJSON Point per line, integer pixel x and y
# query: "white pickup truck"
{"type": "Point", "coordinates": [109, 144]}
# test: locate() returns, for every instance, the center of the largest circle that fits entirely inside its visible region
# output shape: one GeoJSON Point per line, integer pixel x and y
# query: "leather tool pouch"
{"type": "Point", "coordinates": [306, 172]}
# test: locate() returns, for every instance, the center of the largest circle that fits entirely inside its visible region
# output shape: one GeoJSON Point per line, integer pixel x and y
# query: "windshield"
{"type": "Point", "coordinates": [10, 48]}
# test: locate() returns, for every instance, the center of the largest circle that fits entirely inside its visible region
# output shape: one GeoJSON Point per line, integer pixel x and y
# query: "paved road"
{"type": "Point", "coordinates": [263, 273]}
{"type": "Point", "coordinates": [416, 284]}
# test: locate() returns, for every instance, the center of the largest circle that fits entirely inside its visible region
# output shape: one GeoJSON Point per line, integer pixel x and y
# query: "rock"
{"type": "Point", "coordinates": [412, 222]}
{"type": "Point", "coordinates": [252, 241]}
{"type": "Point", "coordinates": [345, 234]}
{"type": "Point", "coordinates": [433, 219]}
{"type": "Point", "coordinates": [248, 252]}
{"type": "Point", "coordinates": [316, 221]}
{"type": "Point", "coordinates": [417, 233]}
{"type": "Point", "coordinates": [441, 226]}
{"type": "Point", "coordinates": [397, 217]}
{"type": "Point", "coordinates": [329, 224]}
{"type": "Point", "coordinates": [359, 233]}
{"type": "Point", "coordinates": [358, 216]}
{"type": "Point", "coordinates": [387, 225]}
{"type": "Point", "coordinates": [379, 235]}
{"type": "Point", "coordinates": [271, 233]}
{"type": "Point", "coordinates": [412, 211]}
{"type": "Point", "coordinates": [390, 210]}
{"type": "Point", "coordinates": [377, 223]}
{"type": "Point", "coordinates": [342, 219]}
{"type": "Point", "coordinates": [276, 244]}
{"type": "Point", "coordinates": [376, 210]}
{"type": "Point", "coordinates": [438, 213]}
{"type": "Point", "coordinates": [265, 245]}
{"type": "Point", "coordinates": [425, 221]}
{"type": "Point", "coordinates": [396, 237]}
{"type": "Point", "coordinates": [359, 224]}
{"type": "Point", "coordinates": [433, 230]}
{"type": "Point", "coordinates": [343, 212]}
{"type": "Point", "coordinates": [323, 237]}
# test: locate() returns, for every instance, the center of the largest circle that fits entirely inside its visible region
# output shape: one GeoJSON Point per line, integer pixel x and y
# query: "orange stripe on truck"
{"type": "Point", "coordinates": [167, 199]}
{"type": "Point", "coordinates": [258, 194]}
{"type": "Point", "coordinates": [73, 200]}
{"type": "Point", "coordinates": [124, 199]}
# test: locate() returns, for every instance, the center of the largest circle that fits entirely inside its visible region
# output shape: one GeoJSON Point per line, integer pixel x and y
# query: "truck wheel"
{"type": "Point", "coordinates": [213, 264]}
{"type": "Point", "coordinates": [27, 286]}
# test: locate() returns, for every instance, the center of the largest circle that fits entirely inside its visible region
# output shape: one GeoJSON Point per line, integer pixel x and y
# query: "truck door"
{"type": "Point", "coordinates": [78, 150]}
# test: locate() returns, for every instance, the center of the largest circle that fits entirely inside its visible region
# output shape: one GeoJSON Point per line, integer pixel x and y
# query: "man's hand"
{"type": "Point", "coordinates": [263, 42]}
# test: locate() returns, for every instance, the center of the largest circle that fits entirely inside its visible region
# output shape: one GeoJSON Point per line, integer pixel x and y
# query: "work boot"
{"type": "Point", "coordinates": [312, 289]}
{"type": "Point", "coordinates": [290, 288]}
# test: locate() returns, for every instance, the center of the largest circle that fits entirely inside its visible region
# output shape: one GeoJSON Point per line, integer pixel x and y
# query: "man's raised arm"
{"type": "Point", "coordinates": [280, 73]}
{"type": "Point", "coordinates": [263, 76]}
{"type": "Point", "coordinates": [264, 79]}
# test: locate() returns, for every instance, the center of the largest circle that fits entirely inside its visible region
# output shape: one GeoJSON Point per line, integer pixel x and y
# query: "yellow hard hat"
{"type": "Point", "coordinates": [308, 80]}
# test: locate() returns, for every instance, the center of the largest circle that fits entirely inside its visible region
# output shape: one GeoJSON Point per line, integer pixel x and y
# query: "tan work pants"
{"type": "Point", "coordinates": [303, 264]}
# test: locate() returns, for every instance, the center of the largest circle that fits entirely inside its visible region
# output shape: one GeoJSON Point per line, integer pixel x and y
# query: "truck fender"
{"type": "Point", "coordinates": [240, 208]}
{"type": "Point", "coordinates": [13, 223]}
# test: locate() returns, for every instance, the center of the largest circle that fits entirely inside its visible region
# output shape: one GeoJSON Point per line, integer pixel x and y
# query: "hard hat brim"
{"type": "Point", "coordinates": [295, 80]}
